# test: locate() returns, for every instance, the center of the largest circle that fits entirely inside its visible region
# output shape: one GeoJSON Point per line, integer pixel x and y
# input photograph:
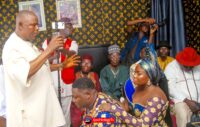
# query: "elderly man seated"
{"type": "Point", "coordinates": [184, 84]}
{"type": "Point", "coordinates": [113, 75]}
{"type": "Point", "coordinates": [163, 54]}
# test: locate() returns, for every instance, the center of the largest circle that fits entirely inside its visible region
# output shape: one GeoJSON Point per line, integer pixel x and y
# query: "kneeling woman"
{"type": "Point", "coordinates": [148, 103]}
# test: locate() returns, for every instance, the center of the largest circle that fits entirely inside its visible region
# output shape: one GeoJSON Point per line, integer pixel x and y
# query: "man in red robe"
{"type": "Point", "coordinates": [67, 75]}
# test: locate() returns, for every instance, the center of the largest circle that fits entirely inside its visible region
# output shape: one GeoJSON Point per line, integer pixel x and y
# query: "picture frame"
{"type": "Point", "coordinates": [37, 7]}
{"type": "Point", "coordinates": [70, 9]}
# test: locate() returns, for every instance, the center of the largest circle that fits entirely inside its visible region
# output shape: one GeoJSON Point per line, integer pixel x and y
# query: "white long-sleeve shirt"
{"type": "Point", "coordinates": [177, 84]}
{"type": "Point", "coordinates": [30, 102]}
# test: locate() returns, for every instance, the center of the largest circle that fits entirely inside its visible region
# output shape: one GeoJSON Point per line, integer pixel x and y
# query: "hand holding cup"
{"type": "Point", "coordinates": [56, 42]}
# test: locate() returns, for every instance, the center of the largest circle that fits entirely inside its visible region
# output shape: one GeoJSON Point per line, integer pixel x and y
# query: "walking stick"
{"type": "Point", "coordinates": [59, 86]}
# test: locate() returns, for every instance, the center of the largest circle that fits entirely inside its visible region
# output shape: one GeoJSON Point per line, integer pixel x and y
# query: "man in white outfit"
{"type": "Point", "coordinates": [2, 99]}
{"type": "Point", "coordinates": [183, 76]}
{"type": "Point", "coordinates": [30, 95]}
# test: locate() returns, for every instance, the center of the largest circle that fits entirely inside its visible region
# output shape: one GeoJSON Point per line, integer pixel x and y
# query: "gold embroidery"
{"type": "Point", "coordinates": [146, 119]}
{"type": "Point", "coordinates": [134, 121]}
{"type": "Point", "coordinates": [155, 99]}
{"type": "Point", "coordinates": [150, 103]}
{"type": "Point", "coordinates": [159, 106]}
{"type": "Point", "coordinates": [153, 110]}
{"type": "Point", "coordinates": [146, 112]}
{"type": "Point", "coordinates": [137, 112]}
{"type": "Point", "coordinates": [117, 114]}
{"type": "Point", "coordinates": [113, 107]}
{"type": "Point", "coordinates": [127, 120]}
{"type": "Point", "coordinates": [154, 119]}
{"type": "Point", "coordinates": [124, 113]}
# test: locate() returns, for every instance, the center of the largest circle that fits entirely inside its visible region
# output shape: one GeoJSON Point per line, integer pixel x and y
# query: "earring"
{"type": "Point", "coordinates": [149, 83]}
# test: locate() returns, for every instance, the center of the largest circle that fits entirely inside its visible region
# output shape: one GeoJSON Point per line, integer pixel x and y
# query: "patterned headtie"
{"type": "Point", "coordinates": [150, 65]}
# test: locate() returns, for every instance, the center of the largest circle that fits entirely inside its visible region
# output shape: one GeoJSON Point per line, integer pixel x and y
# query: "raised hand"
{"type": "Point", "coordinates": [71, 61]}
{"type": "Point", "coordinates": [150, 20]}
{"type": "Point", "coordinates": [55, 43]}
{"type": "Point", "coordinates": [147, 20]}
{"type": "Point", "coordinates": [105, 107]}
{"type": "Point", "coordinates": [192, 105]}
{"type": "Point", "coordinates": [153, 28]}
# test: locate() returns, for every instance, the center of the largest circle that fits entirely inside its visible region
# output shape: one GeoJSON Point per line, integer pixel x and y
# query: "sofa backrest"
{"type": "Point", "coordinates": [99, 54]}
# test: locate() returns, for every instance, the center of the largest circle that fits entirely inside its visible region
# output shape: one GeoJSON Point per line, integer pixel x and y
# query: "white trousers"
{"type": "Point", "coordinates": [183, 114]}
{"type": "Point", "coordinates": [66, 97]}
{"type": "Point", "coordinates": [66, 103]}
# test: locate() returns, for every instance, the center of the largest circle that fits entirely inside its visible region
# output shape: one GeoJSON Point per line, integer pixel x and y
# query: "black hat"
{"type": "Point", "coordinates": [163, 44]}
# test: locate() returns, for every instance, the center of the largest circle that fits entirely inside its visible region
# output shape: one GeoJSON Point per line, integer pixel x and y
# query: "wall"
{"type": "Point", "coordinates": [192, 23]}
{"type": "Point", "coordinates": [103, 21]}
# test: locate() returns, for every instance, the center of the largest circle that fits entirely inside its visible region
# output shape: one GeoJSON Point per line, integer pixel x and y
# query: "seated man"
{"type": "Point", "coordinates": [113, 75]}
{"type": "Point", "coordinates": [163, 54]}
{"type": "Point", "coordinates": [86, 97]}
{"type": "Point", "coordinates": [184, 84]}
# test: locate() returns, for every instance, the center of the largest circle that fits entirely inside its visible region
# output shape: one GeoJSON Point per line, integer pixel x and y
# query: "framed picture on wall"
{"type": "Point", "coordinates": [37, 7]}
{"type": "Point", "coordinates": [70, 9]}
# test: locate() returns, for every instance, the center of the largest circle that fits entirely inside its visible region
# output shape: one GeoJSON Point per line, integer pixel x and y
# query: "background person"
{"type": "Point", "coordinates": [146, 52]}
{"type": "Point", "coordinates": [86, 98]}
{"type": "Point", "coordinates": [131, 53]}
{"type": "Point", "coordinates": [164, 59]}
{"type": "Point", "coordinates": [67, 75]}
{"type": "Point", "coordinates": [113, 75]}
{"type": "Point", "coordinates": [86, 71]}
{"type": "Point", "coordinates": [148, 103]}
{"type": "Point", "coordinates": [184, 84]}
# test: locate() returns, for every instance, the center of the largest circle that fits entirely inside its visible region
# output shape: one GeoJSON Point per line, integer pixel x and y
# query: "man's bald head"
{"type": "Point", "coordinates": [26, 25]}
{"type": "Point", "coordinates": [23, 15]}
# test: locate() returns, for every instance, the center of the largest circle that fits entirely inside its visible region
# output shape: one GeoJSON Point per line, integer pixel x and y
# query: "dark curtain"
{"type": "Point", "coordinates": [159, 11]}
{"type": "Point", "coordinates": [169, 16]}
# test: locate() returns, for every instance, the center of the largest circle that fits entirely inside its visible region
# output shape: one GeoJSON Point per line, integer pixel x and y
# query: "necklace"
{"type": "Point", "coordinates": [82, 75]}
{"type": "Point", "coordinates": [141, 88]}
{"type": "Point", "coordinates": [114, 71]}
{"type": "Point", "coordinates": [94, 109]}
{"type": "Point", "coordinates": [188, 86]}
